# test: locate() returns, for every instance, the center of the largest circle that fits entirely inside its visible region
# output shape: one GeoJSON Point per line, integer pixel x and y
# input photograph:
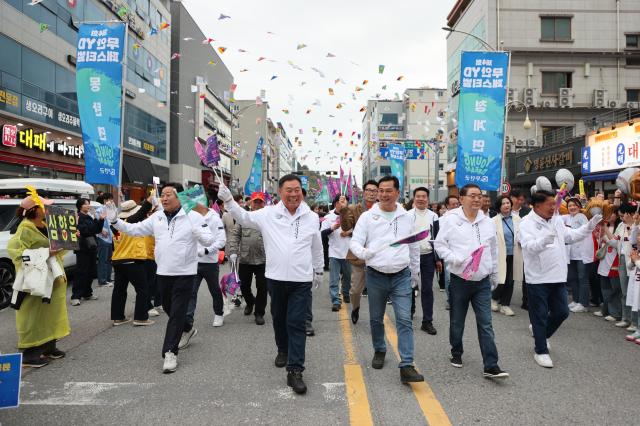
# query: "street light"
{"type": "Point", "coordinates": [487, 45]}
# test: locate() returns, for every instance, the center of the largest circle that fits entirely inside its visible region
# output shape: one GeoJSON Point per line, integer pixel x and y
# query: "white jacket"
{"type": "Point", "coordinates": [176, 249]}
{"type": "Point", "coordinates": [338, 245]}
{"type": "Point", "coordinates": [582, 249]}
{"type": "Point", "coordinates": [37, 275]}
{"type": "Point", "coordinates": [547, 264]}
{"type": "Point", "coordinates": [373, 231]}
{"type": "Point", "coordinates": [292, 243]}
{"type": "Point", "coordinates": [458, 238]}
{"type": "Point", "coordinates": [212, 219]}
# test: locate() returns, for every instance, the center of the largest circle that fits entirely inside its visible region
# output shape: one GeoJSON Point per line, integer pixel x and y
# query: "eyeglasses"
{"type": "Point", "coordinates": [474, 196]}
{"type": "Point", "coordinates": [373, 191]}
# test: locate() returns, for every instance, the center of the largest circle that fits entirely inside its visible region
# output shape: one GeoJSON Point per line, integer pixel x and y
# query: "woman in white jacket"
{"type": "Point", "coordinates": [581, 255]}
{"type": "Point", "coordinates": [509, 256]}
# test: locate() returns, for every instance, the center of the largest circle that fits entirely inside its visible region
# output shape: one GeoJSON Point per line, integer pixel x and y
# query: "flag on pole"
{"type": "Point", "coordinates": [349, 190]}
{"type": "Point", "coordinates": [254, 181]}
{"type": "Point", "coordinates": [413, 238]}
{"type": "Point", "coordinates": [212, 151]}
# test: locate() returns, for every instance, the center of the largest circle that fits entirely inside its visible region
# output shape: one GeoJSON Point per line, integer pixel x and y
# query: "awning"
{"type": "Point", "coordinates": [137, 170]}
{"type": "Point", "coordinates": [601, 176]}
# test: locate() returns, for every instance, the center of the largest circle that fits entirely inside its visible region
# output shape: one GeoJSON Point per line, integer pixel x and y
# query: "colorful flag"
{"type": "Point", "coordinates": [349, 190]}
{"type": "Point", "coordinates": [396, 161]}
{"type": "Point", "coordinates": [212, 151]}
{"type": "Point", "coordinates": [254, 181]}
{"type": "Point", "coordinates": [413, 238]}
{"type": "Point", "coordinates": [199, 150]}
{"type": "Point", "coordinates": [192, 196]}
{"type": "Point", "coordinates": [474, 263]}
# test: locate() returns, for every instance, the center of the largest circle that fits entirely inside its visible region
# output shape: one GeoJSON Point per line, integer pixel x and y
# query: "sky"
{"type": "Point", "coordinates": [405, 36]}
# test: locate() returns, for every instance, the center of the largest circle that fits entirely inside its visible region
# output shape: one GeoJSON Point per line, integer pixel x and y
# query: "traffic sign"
{"type": "Point", "coordinates": [505, 188]}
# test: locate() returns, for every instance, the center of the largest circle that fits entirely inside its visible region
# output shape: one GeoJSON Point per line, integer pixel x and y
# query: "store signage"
{"type": "Point", "coordinates": [141, 146]}
{"type": "Point", "coordinates": [550, 161]}
{"type": "Point", "coordinates": [9, 98]}
{"type": "Point", "coordinates": [613, 149]}
{"type": "Point", "coordinates": [390, 127]}
{"type": "Point", "coordinates": [9, 135]}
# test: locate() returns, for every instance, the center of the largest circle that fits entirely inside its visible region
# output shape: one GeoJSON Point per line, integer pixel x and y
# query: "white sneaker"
{"type": "Point", "coordinates": [572, 305]}
{"type": "Point", "coordinates": [75, 302]}
{"type": "Point", "coordinates": [494, 306]}
{"type": "Point", "coordinates": [578, 308]}
{"type": "Point", "coordinates": [548, 345]}
{"type": "Point", "coordinates": [506, 311]}
{"type": "Point", "coordinates": [598, 313]}
{"type": "Point", "coordinates": [153, 312]}
{"type": "Point", "coordinates": [543, 360]}
{"type": "Point", "coordinates": [218, 320]}
{"type": "Point", "coordinates": [531, 330]}
{"type": "Point", "coordinates": [170, 363]}
{"type": "Point", "coordinates": [632, 328]}
{"type": "Point", "coordinates": [609, 318]}
{"type": "Point", "coordinates": [622, 324]}
{"type": "Point", "coordinates": [186, 337]}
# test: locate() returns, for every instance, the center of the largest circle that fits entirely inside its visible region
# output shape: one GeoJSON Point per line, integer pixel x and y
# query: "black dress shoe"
{"type": "Point", "coordinates": [294, 379]}
{"type": "Point", "coordinates": [248, 309]}
{"type": "Point", "coordinates": [335, 307]}
{"type": "Point", "coordinates": [378, 360]}
{"type": "Point", "coordinates": [281, 359]}
{"type": "Point", "coordinates": [428, 327]}
{"type": "Point", "coordinates": [346, 298]}
{"type": "Point", "coordinates": [54, 354]}
{"type": "Point", "coordinates": [409, 374]}
{"type": "Point", "coordinates": [309, 331]}
{"type": "Point", "coordinates": [259, 320]}
{"type": "Point", "coordinates": [355, 315]}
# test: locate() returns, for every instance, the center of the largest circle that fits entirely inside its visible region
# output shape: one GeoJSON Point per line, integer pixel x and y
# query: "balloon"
{"type": "Point", "coordinates": [565, 176]}
{"type": "Point", "coordinates": [534, 189]}
{"type": "Point", "coordinates": [624, 179]}
{"type": "Point", "coordinates": [544, 184]}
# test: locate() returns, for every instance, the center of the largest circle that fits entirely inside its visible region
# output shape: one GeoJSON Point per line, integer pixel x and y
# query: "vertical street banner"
{"type": "Point", "coordinates": [481, 113]}
{"type": "Point", "coordinates": [305, 182]}
{"type": "Point", "coordinates": [99, 56]}
{"type": "Point", "coordinates": [396, 161]}
{"type": "Point", "coordinates": [254, 181]}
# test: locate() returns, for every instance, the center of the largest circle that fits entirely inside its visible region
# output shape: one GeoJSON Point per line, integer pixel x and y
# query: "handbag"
{"type": "Point", "coordinates": [89, 243]}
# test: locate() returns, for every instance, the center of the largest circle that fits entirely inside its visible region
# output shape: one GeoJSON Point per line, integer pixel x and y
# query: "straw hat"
{"type": "Point", "coordinates": [128, 208]}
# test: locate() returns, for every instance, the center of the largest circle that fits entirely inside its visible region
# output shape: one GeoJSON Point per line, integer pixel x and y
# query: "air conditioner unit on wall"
{"type": "Point", "coordinates": [600, 98]}
{"type": "Point", "coordinates": [531, 142]}
{"type": "Point", "coordinates": [520, 143]}
{"type": "Point", "coordinates": [613, 104]}
{"type": "Point", "coordinates": [520, 150]}
{"type": "Point", "coordinates": [565, 97]}
{"type": "Point", "coordinates": [511, 148]}
{"type": "Point", "coordinates": [513, 95]}
{"type": "Point", "coordinates": [633, 105]}
{"type": "Point", "coordinates": [530, 97]}
{"type": "Point", "coordinates": [549, 103]}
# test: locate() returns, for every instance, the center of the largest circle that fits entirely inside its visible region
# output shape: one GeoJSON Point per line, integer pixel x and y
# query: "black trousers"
{"type": "Point", "coordinates": [136, 274]}
{"type": "Point", "coordinates": [209, 272]}
{"type": "Point", "coordinates": [176, 293]}
{"type": "Point", "coordinates": [503, 293]}
{"type": "Point", "coordinates": [86, 269]}
{"type": "Point", "coordinates": [246, 273]}
{"type": "Point", "coordinates": [153, 293]}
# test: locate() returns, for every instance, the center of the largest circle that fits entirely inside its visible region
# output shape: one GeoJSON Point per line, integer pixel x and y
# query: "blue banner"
{"type": "Point", "coordinates": [99, 86]}
{"type": "Point", "coordinates": [10, 371]}
{"type": "Point", "coordinates": [483, 92]}
{"type": "Point", "coordinates": [305, 182]}
{"type": "Point", "coordinates": [254, 181]}
{"type": "Point", "coordinates": [396, 161]}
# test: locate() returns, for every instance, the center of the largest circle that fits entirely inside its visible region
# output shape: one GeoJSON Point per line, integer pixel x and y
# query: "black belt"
{"type": "Point", "coordinates": [385, 273]}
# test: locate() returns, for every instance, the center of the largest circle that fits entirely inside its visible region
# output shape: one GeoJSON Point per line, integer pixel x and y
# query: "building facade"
{"type": "Point", "coordinates": [38, 88]}
{"type": "Point", "coordinates": [571, 61]}
{"type": "Point", "coordinates": [200, 102]}
{"type": "Point", "coordinates": [382, 124]}
{"type": "Point", "coordinates": [285, 164]}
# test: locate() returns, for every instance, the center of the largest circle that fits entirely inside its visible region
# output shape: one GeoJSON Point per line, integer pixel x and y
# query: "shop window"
{"type": "Point", "coordinates": [555, 28]}
{"type": "Point", "coordinates": [633, 95]}
{"type": "Point", "coordinates": [10, 49]}
{"type": "Point", "coordinates": [553, 81]}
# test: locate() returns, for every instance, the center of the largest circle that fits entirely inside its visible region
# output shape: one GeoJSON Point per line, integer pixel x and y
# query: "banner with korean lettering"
{"type": "Point", "coordinates": [483, 90]}
{"type": "Point", "coordinates": [396, 161]}
{"type": "Point", "coordinates": [99, 86]}
{"type": "Point", "coordinates": [254, 181]}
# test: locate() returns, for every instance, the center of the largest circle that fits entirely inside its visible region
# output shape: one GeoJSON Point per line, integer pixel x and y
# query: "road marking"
{"type": "Point", "coordinates": [429, 404]}
{"type": "Point", "coordinates": [84, 393]}
{"type": "Point", "coordinates": [357, 399]}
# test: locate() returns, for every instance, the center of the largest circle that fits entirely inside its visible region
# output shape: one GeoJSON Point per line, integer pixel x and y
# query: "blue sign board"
{"type": "Point", "coordinates": [483, 91]}
{"type": "Point", "coordinates": [10, 372]}
{"type": "Point", "coordinates": [99, 87]}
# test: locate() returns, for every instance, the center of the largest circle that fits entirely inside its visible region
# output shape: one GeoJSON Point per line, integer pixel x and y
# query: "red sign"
{"type": "Point", "coordinates": [72, 3]}
{"type": "Point", "coordinates": [9, 135]}
{"type": "Point", "coordinates": [505, 188]}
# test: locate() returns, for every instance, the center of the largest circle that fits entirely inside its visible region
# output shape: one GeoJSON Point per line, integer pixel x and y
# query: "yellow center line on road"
{"type": "Point", "coordinates": [429, 404]}
{"type": "Point", "coordinates": [357, 400]}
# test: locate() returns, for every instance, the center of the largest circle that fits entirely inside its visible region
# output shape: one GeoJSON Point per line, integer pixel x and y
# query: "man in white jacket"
{"type": "Point", "coordinates": [177, 235]}
{"type": "Point", "coordinates": [293, 247]}
{"type": "Point", "coordinates": [543, 236]}
{"type": "Point", "coordinates": [207, 270]}
{"type": "Point", "coordinates": [462, 231]}
{"type": "Point", "coordinates": [390, 272]}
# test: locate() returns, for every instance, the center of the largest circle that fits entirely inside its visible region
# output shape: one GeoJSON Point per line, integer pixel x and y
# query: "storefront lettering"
{"type": "Point", "coordinates": [145, 146]}
{"type": "Point", "coordinates": [549, 161]}
{"type": "Point", "coordinates": [38, 142]}
{"type": "Point", "coordinates": [38, 108]}
{"type": "Point", "coordinates": [8, 98]}
{"type": "Point", "coordinates": [9, 135]}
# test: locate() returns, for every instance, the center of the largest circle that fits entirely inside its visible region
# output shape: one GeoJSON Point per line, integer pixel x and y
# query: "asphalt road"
{"type": "Point", "coordinates": [113, 375]}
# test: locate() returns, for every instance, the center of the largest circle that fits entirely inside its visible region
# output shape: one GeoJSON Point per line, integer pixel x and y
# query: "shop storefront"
{"type": "Point", "coordinates": [607, 152]}
{"type": "Point", "coordinates": [524, 169]}
{"type": "Point", "coordinates": [35, 151]}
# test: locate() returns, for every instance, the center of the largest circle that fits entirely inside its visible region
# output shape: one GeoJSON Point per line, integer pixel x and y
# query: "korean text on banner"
{"type": "Point", "coordinates": [99, 87]}
{"type": "Point", "coordinates": [10, 372]}
{"type": "Point", "coordinates": [396, 161]}
{"type": "Point", "coordinates": [483, 89]}
{"type": "Point", "coordinates": [62, 225]}
{"type": "Point", "coordinates": [254, 181]}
